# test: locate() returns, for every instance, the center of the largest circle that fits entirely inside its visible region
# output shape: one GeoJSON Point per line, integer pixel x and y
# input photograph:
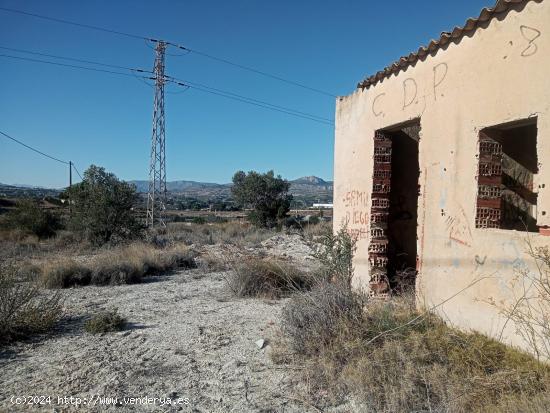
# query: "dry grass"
{"type": "Point", "coordinates": [312, 320]}
{"type": "Point", "coordinates": [124, 265]}
{"type": "Point", "coordinates": [314, 232]}
{"type": "Point", "coordinates": [24, 310]}
{"type": "Point", "coordinates": [64, 273]}
{"type": "Point", "coordinates": [233, 232]}
{"type": "Point", "coordinates": [105, 322]}
{"type": "Point", "coordinates": [396, 360]}
{"type": "Point", "coordinates": [16, 245]}
{"type": "Point", "coordinates": [266, 278]}
{"type": "Point", "coordinates": [213, 263]}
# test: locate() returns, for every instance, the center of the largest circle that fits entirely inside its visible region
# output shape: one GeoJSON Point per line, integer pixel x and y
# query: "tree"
{"type": "Point", "coordinates": [266, 194]}
{"type": "Point", "coordinates": [102, 207]}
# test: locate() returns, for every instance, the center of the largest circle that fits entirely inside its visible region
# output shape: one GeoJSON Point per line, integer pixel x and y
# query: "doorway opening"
{"type": "Point", "coordinates": [393, 248]}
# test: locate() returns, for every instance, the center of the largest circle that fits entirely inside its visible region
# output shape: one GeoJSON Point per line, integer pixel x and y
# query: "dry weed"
{"type": "Point", "coordinates": [24, 310]}
{"type": "Point", "coordinates": [267, 278]}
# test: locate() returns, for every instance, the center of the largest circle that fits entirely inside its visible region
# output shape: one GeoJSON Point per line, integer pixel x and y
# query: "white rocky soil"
{"type": "Point", "coordinates": [187, 338]}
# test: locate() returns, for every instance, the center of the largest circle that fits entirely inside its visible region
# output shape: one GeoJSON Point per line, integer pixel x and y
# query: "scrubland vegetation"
{"type": "Point", "coordinates": [393, 358]}
{"type": "Point", "coordinates": [385, 354]}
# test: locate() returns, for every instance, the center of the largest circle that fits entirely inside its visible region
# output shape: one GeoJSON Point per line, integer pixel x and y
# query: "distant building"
{"type": "Point", "coordinates": [322, 206]}
{"type": "Point", "coordinates": [442, 166]}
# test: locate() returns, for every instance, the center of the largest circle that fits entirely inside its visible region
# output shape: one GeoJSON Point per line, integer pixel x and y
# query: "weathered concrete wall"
{"type": "Point", "coordinates": [499, 74]}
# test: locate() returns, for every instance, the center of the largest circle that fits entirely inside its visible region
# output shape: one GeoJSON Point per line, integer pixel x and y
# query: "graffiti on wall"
{"type": "Point", "coordinates": [459, 228]}
{"type": "Point", "coordinates": [530, 34]}
{"type": "Point", "coordinates": [356, 207]}
{"type": "Point", "coordinates": [410, 91]}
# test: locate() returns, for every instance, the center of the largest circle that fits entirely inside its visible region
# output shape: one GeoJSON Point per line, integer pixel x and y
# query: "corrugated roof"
{"type": "Point", "coordinates": [486, 14]}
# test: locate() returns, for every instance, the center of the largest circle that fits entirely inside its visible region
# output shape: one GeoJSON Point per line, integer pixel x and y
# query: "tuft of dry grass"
{"type": "Point", "coordinates": [125, 265]}
{"type": "Point", "coordinates": [24, 310]}
{"type": "Point", "coordinates": [213, 263]}
{"type": "Point", "coordinates": [266, 278]}
{"type": "Point", "coordinates": [232, 232]}
{"type": "Point", "coordinates": [395, 359]}
{"type": "Point", "coordinates": [64, 273]}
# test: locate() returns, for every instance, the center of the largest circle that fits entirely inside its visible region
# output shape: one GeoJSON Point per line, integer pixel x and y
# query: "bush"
{"type": "Point", "coordinates": [267, 278]}
{"type": "Point", "coordinates": [105, 322]}
{"type": "Point", "coordinates": [336, 255]}
{"type": "Point", "coordinates": [24, 311]}
{"type": "Point", "coordinates": [29, 217]}
{"type": "Point", "coordinates": [292, 223]}
{"type": "Point", "coordinates": [266, 194]}
{"type": "Point", "coordinates": [102, 207]}
{"type": "Point", "coordinates": [198, 220]}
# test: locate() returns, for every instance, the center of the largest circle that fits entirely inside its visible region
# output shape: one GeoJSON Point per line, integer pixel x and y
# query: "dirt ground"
{"type": "Point", "coordinates": [188, 339]}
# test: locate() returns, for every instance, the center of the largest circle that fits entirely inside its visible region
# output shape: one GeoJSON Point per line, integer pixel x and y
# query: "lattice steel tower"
{"type": "Point", "coordinates": [156, 200]}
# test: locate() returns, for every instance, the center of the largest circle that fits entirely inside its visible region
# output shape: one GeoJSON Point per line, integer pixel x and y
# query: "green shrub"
{"type": "Point", "coordinates": [24, 310]}
{"type": "Point", "coordinates": [29, 217]}
{"type": "Point", "coordinates": [105, 322]}
{"type": "Point", "coordinates": [103, 207]}
{"type": "Point", "coordinates": [265, 194]}
{"type": "Point", "coordinates": [198, 220]}
{"type": "Point", "coordinates": [336, 255]}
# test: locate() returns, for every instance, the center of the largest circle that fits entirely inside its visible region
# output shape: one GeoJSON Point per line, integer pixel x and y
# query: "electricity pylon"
{"type": "Point", "coordinates": [156, 199]}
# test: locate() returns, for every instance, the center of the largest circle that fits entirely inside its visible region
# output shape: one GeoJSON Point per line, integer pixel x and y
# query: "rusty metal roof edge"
{"type": "Point", "coordinates": [471, 24]}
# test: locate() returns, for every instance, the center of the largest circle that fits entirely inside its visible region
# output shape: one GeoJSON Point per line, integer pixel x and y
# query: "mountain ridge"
{"type": "Point", "coordinates": [179, 186]}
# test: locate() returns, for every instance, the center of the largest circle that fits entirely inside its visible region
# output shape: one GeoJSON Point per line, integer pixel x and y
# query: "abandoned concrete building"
{"type": "Point", "coordinates": [442, 166]}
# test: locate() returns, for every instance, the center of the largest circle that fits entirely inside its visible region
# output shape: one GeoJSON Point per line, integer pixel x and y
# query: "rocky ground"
{"type": "Point", "coordinates": [187, 339]}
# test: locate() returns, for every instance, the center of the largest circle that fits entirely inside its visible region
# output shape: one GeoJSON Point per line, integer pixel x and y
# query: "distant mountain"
{"type": "Point", "coordinates": [306, 183]}
{"type": "Point", "coordinates": [311, 180]}
{"type": "Point", "coordinates": [179, 186]}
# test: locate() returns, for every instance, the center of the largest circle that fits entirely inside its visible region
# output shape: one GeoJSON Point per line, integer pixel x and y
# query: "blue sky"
{"type": "Point", "coordinates": [90, 117]}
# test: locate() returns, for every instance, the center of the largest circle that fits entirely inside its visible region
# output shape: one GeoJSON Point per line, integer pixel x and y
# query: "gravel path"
{"type": "Point", "coordinates": [187, 339]}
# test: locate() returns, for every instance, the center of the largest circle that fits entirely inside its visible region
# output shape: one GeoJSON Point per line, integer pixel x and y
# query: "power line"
{"type": "Point", "coordinates": [244, 100]}
{"type": "Point", "coordinates": [33, 149]}
{"type": "Point", "coordinates": [253, 70]}
{"type": "Point", "coordinates": [198, 52]}
{"type": "Point", "coordinates": [70, 66]}
{"type": "Point", "coordinates": [87, 26]}
{"type": "Point", "coordinates": [197, 86]}
{"type": "Point", "coordinates": [75, 60]}
{"type": "Point", "coordinates": [73, 165]}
